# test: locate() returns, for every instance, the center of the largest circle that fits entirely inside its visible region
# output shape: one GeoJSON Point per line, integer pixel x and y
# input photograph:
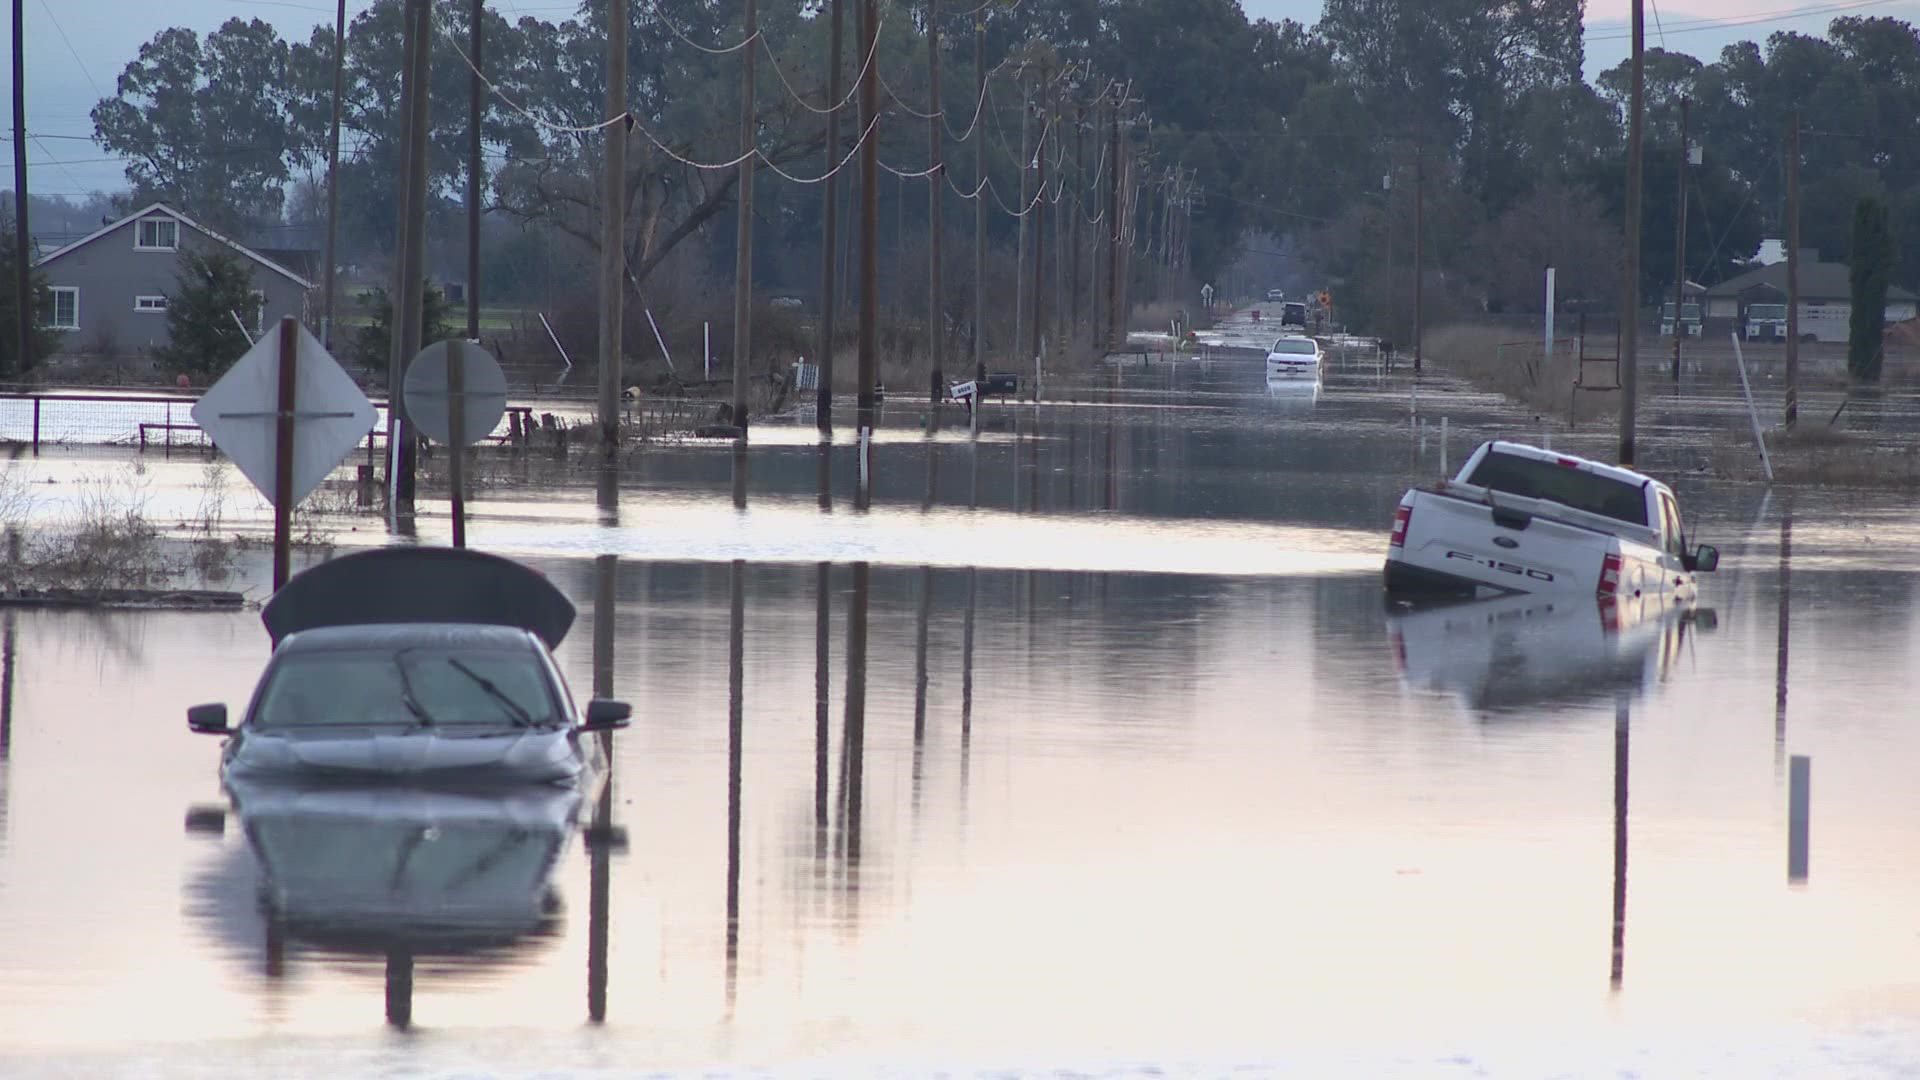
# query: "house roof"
{"type": "Point", "coordinates": [163, 208]}
{"type": "Point", "coordinates": [1818, 281]}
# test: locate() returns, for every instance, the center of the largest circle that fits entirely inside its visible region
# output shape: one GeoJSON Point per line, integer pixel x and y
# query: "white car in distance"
{"type": "Point", "coordinates": [1294, 356]}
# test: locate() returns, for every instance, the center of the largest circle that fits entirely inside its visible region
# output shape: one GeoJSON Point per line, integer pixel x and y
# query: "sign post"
{"type": "Point", "coordinates": [283, 451]}
{"type": "Point", "coordinates": [318, 416]}
{"type": "Point", "coordinates": [456, 395]}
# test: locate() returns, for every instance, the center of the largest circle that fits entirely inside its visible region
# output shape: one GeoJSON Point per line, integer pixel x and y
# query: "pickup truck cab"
{"type": "Point", "coordinates": [1520, 519]}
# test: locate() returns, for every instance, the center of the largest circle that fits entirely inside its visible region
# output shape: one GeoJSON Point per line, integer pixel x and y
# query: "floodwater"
{"type": "Point", "coordinates": [1090, 748]}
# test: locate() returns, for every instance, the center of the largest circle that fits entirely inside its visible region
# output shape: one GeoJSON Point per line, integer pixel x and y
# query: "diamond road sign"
{"type": "Point", "coordinates": [330, 413]}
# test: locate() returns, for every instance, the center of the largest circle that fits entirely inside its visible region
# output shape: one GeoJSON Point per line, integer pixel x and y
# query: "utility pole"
{"type": "Point", "coordinates": [1026, 215]}
{"type": "Point", "coordinates": [1630, 290]}
{"type": "Point", "coordinates": [408, 296]}
{"type": "Point", "coordinates": [1040, 231]}
{"type": "Point", "coordinates": [23, 244]}
{"type": "Point", "coordinates": [474, 40]}
{"type": "Point", "coordinates": [331, 257]}
{"type": "Point", "coordinates": [1113, 327]}
{"type": "Point", "coordinates": [1076, 238]}
{"type": "Point", "coordinates": [613, 231]}
{"type": "Point", "coordinates": [830, 226]}
{"type": "Point", "coordinates": [936, 183]}
{"type": "Point", "coordinates": [980, 203]}
{"type": "Point", "coordinates": [1419, 257]}
{"type": "Point", "coordinates": [743, 239]}
{"type": "Point", "coordinates": [1680, 243]}
{"type": "Point", "coordinates": [1792, 413]}
{"type": "Point", "coordinates": [869, 224]}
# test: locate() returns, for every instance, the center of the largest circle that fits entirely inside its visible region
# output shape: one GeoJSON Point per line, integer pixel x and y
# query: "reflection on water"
{"type": "Point", "coordinates": [1005, 771]}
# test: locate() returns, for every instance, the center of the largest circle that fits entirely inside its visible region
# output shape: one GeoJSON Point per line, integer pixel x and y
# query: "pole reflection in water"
{"type": "Point", "coordinates": [6, 689]}
{"type": "Point", "coordinates": [823, 468]}
{"type": "Point", "coordinates": [1786, 612]}
{"type": "Point", "coordinates": [740, 476]}
{"type": "Point", "coordinates": [399, 988]}
{"type": "Point", "coordinates": [1622, 722]}
{"type": "Point", "coordinates": [600, 843]}
{"type": "Point", "coordinates": [923, 617]}
{"type": "Point", "coordinates": [853, 734]}
{"type": "Point", "coordinates": [736, 684]}
{"type": "Point", "coordinates": [822, 679]}
{"type": "Point", "coordinates": [606, 573]}
{"type": "Point", "coordinates": [933, 475]}
{"type": "Point", "coordinates": [966, 692]}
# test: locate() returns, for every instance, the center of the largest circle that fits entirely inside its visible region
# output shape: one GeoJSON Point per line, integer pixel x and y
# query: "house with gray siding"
{"type": "Point", "coordinates": [110, 287]}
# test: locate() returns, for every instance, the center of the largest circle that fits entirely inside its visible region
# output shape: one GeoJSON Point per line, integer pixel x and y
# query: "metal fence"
{"type": "Point", "coordinates": [106, 418]}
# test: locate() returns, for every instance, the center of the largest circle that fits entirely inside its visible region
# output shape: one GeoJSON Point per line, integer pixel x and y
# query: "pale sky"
{"type": "Point", "coordinates": [75, 51]}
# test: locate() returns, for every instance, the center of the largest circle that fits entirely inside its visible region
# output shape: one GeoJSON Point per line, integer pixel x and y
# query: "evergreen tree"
{"type": "Point", "coordinates": [202, 339]}
{"type": "Point", "coordinates": [373, 343]}
{"type": "Point", "coordinates": [41, 340]}
{"type": "Point", "coordinates": [1872, 266]}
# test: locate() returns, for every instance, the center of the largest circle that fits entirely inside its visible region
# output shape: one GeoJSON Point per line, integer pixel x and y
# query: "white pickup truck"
{"type": "Point", "coordinates": [1519, 519]}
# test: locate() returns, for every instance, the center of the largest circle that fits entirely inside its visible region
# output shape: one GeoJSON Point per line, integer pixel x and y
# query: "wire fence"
{"type": "Point", "coordinates": [147, 420]}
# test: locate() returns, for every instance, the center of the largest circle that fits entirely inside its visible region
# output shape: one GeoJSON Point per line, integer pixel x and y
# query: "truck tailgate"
{"type": "Point", "coordinates": [1507, 543]}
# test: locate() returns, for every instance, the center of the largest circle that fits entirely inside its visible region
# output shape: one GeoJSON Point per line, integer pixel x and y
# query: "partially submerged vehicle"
{"type": "Point", "coordinates": [423, 665]}
{"type": "Point", "coordinates": [1520, 519]}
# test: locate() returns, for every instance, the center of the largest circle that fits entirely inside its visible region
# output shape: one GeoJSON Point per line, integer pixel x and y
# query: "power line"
{"type": "Point", "coordinates": [1809, 11]}
{"type": "Point", "coordinates": [79, 63]}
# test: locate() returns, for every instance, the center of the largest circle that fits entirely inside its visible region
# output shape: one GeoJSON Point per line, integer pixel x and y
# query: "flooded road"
{"type": "Point", "coordinates": [1090, 748]}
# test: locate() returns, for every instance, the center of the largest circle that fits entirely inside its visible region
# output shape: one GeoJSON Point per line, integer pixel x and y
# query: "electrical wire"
{"type": "Point", "coordinates": [1809, 11]}
{"type": "Point", "coordinates": [661, 14]}
{"type": "Point", "coordinates": [852, 90]}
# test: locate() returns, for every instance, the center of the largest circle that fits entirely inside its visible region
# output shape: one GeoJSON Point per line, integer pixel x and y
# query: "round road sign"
{"type": "Point", "coordinates": [482, 397]}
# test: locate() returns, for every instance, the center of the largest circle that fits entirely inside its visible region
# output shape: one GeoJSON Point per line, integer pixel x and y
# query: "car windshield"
{"type": "Point", "coordinates": [1293, 347]}
{"type": "Point", "coordinates": [1576, 488]}
{"type": "Point", "coordinates": [409, 687]}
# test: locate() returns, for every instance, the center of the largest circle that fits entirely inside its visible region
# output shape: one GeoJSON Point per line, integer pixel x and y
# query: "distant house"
{"type": "Point", "coordinates": [110, 287]}
{"type": "Point", "coordinates": [1826, 303]}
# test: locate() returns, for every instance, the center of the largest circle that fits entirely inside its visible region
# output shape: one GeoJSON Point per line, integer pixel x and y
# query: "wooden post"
{"type": "Point", "coordinates": [1419, 257]}
{"type": "Point", "coordinates": [330, 258]}
{"type": "Point", "coordinates": [743, 238]}
{"type": "Point", "coordinates": [1792, 412]}
{"type": "Point", "coordinates": [1115, 329]}
{"type": "Point", "coordinates": [979, 206]}
{"type": "Point", "coordinates": [475, 36]}
{"type": "Point", "coordinates": [830, 226]}
{"type": "Point", "coordinates": [936, 182]}
{"type": "Point", "coordinates": [1630, 284]}
{"type": "Point", "coordinates": [869, 361]}
{"type": "Point", "coordinates": [613, 207]}
{"type": "Point", "coordinates": [456, 437]}
{"type": "Point", "coordinates": [1680, 245]}
{"type": "Point", "coordinates": [283, 452]}
{"type": "Point", "coordinates": [22, 237]}
{"type": "Point", "coordinates": [1039, 215]}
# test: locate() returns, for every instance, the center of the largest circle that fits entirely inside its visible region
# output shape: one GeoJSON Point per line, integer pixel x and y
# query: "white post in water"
{"type": "Point", "coordinates": [1443, 446]}
{"type": "Point", "coordinates": [1547, 353]}
{"type": "Point", "coordinates": [1799, 795]}
{"type": "Point", "coordinates": [706, 349]}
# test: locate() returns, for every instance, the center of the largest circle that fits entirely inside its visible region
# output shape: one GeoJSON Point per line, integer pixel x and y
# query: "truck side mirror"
{"type": "Point", "coordinates": [605, 715]}
{"type": "Point", "coordinates": [1704, 560]}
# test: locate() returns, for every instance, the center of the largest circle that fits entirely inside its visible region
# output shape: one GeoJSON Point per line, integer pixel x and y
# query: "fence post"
{"type": "Point", "coordinates": [36, 425]}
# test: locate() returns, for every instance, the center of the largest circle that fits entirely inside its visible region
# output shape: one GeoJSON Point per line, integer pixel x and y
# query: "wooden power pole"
{"type": "Point", "coordinates": [980, 202]}
{"type": "Point", "coordinates": [613, 231]}
{"type": "Point", "coordinates": [869, 223]}
{"type": "Point", "coordinates": [1791, 415]}
{"type": "Point", "coordinates": [330, 259]}
{"type": "Point", "coordinates": [1419, 257]}
{"type": "Point", "coordinates": [23, 242]}
{"type": "Point", "coordinates": [475, 36]}
{"type": "Point", "coordinates": [1039, 215]}
{"type": "Point", "coordinates": [1114, 321]}
{"type": "Point", "coordinates": [743, 239]}
{"type": "Point", "coordinates": [1680, 244]}
{"type": "Point", "coordinates": [936, 182]}
{"type": "Point", "coordinates": [830, 227]}
{"type": "Point", "coordinates": [1630, 285]}
{"type": "Point", "coordinates": [409, 295]}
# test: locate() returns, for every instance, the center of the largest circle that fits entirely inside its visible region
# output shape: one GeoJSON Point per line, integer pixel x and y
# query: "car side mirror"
{"type": "Point", "coordinates": [1704, 560]}
{"type": "Point", "coordinates": [208, 719]}
{"type": "Point", "coordinates": [606, 715]}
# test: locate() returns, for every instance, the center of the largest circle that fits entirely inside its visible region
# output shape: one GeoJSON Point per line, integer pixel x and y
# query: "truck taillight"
{"type": "Point", "coordinates": [1402, 518]}
{"type": "Point", "coordinates": [1609, 575]}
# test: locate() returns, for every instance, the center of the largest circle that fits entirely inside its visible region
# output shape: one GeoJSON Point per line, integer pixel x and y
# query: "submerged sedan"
{"type": "Point", "coordinates": [424, 665]}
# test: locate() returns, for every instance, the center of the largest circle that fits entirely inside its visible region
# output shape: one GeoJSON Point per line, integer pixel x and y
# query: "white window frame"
{"type": "Point", "coordinates": [139, 228]}
{"type": "Point", "coordinates": [53, 322]}
{"type": "Point", "coordinates": [143, 305]}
